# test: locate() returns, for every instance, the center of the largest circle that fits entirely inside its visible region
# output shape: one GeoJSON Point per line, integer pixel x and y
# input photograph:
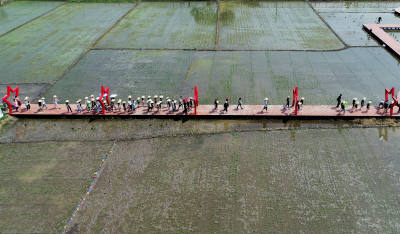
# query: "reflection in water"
{"type": "Point", "coordinates": [204, 15]}
{"type": "Point", "coordinates": [394, 33]}
{"type": "Point", "coordinates": [383, 133]}
{"type": "Point", "coordinates": [3, 14]}
{"type": "Point", "coordinates": [226, 16]}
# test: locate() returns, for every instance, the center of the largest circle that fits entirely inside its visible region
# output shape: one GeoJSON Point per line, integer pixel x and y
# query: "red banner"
{"type": "Point", "coordinates": [9, 91]}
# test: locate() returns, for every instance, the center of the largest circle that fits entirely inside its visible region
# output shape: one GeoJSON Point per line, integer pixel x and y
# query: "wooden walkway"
{"type": "Point", "coordinates": [378, 31]}
{"type": "Point", "coordinates": [274, 111]}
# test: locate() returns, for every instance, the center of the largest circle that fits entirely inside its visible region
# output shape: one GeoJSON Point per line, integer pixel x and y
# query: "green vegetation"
{"type": "Point", "coordinates": [349, 26]}
{"type": "Point", "coordinates": [278, 181]}
{"type": "Point", "coordinates": [42, 183]}
{"type": "Point", "coordinates": [17, 13]}
{"type": "Point", "coordinates": [273, 25]}
{"type": "Point", "coordinates": [159, 25]}
{"type": "Point", "coordinates": [321, 76]}
{"type": "Point", "coordinates": [40, 52]}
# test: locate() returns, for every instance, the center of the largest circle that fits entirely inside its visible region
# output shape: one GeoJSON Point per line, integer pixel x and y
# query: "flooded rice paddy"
{"type": "Point", "coordinates": [205, 176]}
{"type": "Point", "coordinates": [39, 52]}
{"type": "Point", "coordinates": [252, 75]}
{"type": "Point", "coordinates": [199, 176]}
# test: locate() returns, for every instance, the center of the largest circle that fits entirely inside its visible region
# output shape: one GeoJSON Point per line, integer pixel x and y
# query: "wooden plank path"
{"type": "Point", "coordinates": [378, 31]}
{"type": "Point", "coordinates": [274, 111]}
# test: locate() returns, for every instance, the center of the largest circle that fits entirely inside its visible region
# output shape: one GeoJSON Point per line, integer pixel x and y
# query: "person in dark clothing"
{"type": "Point", "coordinates": [339, 100]}
{"type": "Point", "coordinates": [379, 20]}
{"type": "Point", "coordinates": [354, 102]}
{"type": "Point", "coordinates": [363, 102]}
{"type": "Point", "coordinates": [239, 104]}
{"type": "Point", "coordinates": [216, 103]}
{"type": "Point", "coordinates": [386, 105]}
{"type": "Point", "coordinates": [226, 105]}
{"type": "Point", "coordinates": [185, 107]}
{"type": "Point", "coordinates": [287, 102]}
{"type": "Point", "coordinates": [69, 109]}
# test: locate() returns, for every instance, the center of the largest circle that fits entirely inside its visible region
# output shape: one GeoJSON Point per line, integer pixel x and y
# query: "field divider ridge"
{"type": "Point", "coordinates": [86, 51]}
{"type": "Point", "coordinates": [227, 50]}
{"type": "Point", "coordinates": [217, 26]}
{"type": "Point", "coordinates": [35, 18]}
{"type": "Point", "coordinates": [95, 177]}
{"type": "Point", "coordinates": [327, 25]}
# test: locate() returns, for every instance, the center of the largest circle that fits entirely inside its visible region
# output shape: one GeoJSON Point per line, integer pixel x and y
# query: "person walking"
{"type": "Point", "coordinates": [168, 103]}
{"type": "Point", "coordinates": [216, 104]}
{"type": "Point", "coordinates": [69, 109]}
{"type": "Point", "coordinates": [180, 103]}
{"type": "Point", "coordinates": [240, 103]}
{"type": "Point", "coordinates": [44, 103]}
{"type": "Point", "coordinates": [119, 104]}
{"type": "Point", "coordinates": [339, 100]}
{"type": "Point", "coordinates": [174, 105]}
{"type": "Point", "coordinates": [185, 107]}
{"type": "Point", "coordinates": [369, 104]}
{"type": "Point", "coordinates": [40, 104]}
{"type": "Point", "coordinates": [363, 102]}
{"type": "Point", "coordinates": [27, 103]}
{"type": "Point", "coordinates": [129, 103]}
{"type": "Point", "coordinates": [265, 104]}
{"type": "Point", "coordinates": [343, 107]}
{"type": "Point", "coordinates": [124, 106]}
{"type": "Point", "coordinates": [134, 105]}
{"type": "Point", "coordinates": [301, 103]}
{"type": "Point", "coordinates": [354, 102]}
{"type": "Point", "coordinates": [55, 101]}
{"type": "Point", "coordinates": [88, 104]}
{"type": "Point", "coordinates": [79, 106]}
{"type": "Point", "coordinates": [379, 20]}
{"type": "Point", "coordinates": [226, 105]}
{"type": "Point", "coordinates": [287, 102]}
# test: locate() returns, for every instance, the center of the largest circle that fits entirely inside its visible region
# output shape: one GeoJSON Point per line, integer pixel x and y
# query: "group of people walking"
{"type": "Point", "coordinates": [157, 102]}
{"type": "Point", "coordinates": [364, 104]}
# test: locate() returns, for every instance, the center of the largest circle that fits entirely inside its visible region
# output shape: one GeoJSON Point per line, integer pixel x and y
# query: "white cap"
{"type": "Point", "coordinates": [54, 96]}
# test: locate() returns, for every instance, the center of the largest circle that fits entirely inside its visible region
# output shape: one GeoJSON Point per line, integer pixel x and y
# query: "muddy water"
{"type": "Point", "coordinates": [30, 130]}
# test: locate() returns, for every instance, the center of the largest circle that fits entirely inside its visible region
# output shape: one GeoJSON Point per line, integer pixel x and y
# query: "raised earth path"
{"type": "Point", "coordinates": [321, 111]}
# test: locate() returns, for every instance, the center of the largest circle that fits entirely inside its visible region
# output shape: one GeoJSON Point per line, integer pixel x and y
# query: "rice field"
{"type": "Point", "coordinates": [279, 182]}
{"type": "Point", "coordinates": [39, 52]}
{"type": "Point", "coordinates": [252, 75]}
{"type": "Point", "coordinates": [220, 176]}
{"type": "Point", "coordinates": [41, 183]}
{"type": "Point", "coordinates": [161, 25]}
{"type": "Point", "coordinates": [274, 26]}
{"type": "Point", "coordinates": [355, 6]}
{"type": "Point", "coordinates": [349, 26]}
{"type": "Point", "coordinates": [18, 13]}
